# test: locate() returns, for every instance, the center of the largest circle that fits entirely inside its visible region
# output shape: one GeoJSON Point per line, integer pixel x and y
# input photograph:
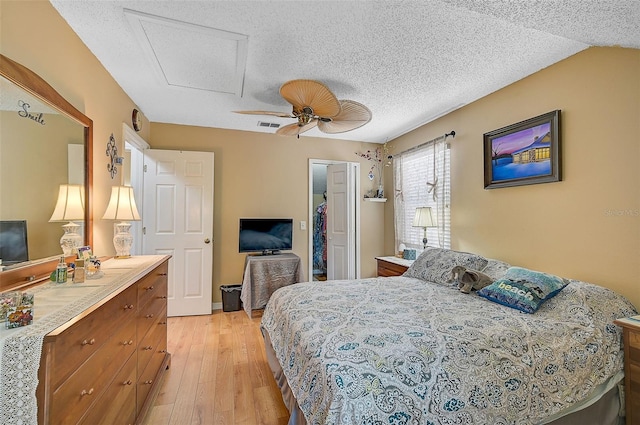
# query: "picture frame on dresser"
{"type": "Point", "coordinates": [524, 153]}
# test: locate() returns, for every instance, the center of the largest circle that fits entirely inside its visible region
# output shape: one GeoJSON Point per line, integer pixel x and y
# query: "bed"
{"type": "Point", "coordinates": [413, 349]}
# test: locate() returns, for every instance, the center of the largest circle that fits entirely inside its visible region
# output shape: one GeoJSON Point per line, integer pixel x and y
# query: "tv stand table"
{"type": "Point", "coordinates": [263, 274]}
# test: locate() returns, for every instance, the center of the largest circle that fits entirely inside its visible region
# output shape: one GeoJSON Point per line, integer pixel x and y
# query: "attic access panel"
{"type": "Point", "coordinates": [175, 51]}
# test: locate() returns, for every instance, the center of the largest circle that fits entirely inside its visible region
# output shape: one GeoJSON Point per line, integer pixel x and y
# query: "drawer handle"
{"type": "Point", "coordinates": [90, 342]}
{"type": "Point", "coordinates": [128, 306]}
{"type": "Point", "coordinates": [149, 316]}
{"type": "Point", "coordinates": [162, 351]}
{"type": "Point", "coordinates": [147, 348]}
{"type": "Point", "coordinates": [163, 297]}
{"type": "Point", "coordinates": [162, 274]}
{"type": "Point", "coordinates": [127, 382]}
{"type": "Point", "coordinates": [162, 323]}
{"type": "Point", "coordinates": [85, 392]}
{"type": "Point", "coordinates": [130, 342]}
{"type": "Point", "coordinates": [149, 288]}
{"type": "Point", "coordinates": [148, 382]}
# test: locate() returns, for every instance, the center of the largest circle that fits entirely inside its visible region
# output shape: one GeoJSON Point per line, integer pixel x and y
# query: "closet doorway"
{"type": "Point", "coordinates": [334, 220]}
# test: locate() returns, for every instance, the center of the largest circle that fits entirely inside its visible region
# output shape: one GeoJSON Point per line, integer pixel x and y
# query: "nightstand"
{"type": "Point", "coordinates": [392, 266]}
{"type": "Point", "coordinates": [631, 337]}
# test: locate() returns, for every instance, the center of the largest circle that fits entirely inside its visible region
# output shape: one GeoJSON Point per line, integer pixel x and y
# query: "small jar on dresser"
{"type": "Point", "coordinates": [631, 338]}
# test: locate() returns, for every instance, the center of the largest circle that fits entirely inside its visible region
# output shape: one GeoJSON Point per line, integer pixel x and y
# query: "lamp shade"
{"type": "Point", "coordinates": [424, 218]}
{"type": "Point", "coordinates": [70, 204]}
{"type": "Point", "coordinates": [122, 205]}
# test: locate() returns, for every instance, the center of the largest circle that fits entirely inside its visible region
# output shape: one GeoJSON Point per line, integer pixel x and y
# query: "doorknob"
{"type": "Point", "coordinates": [207, 240]}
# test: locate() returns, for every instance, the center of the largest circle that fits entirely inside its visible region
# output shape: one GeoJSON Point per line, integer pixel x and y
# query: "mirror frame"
{"type": "Point", "coordinates": [32, 83]}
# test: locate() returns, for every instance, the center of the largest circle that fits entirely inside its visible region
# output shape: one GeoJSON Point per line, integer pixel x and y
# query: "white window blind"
{"type": "Point", "coordinates": [422, 179]}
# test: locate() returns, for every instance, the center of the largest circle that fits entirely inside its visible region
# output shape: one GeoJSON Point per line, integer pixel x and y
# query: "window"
{"type": "Point", "coordinates": [422, 179]}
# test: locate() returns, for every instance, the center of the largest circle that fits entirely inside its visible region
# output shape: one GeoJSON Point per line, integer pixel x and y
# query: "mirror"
{"type": "Point", "coordinates": [44, 142]}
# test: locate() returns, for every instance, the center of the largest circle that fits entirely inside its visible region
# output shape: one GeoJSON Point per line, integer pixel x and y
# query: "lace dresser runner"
{"type": "Point", "coordinates": [54, 305]}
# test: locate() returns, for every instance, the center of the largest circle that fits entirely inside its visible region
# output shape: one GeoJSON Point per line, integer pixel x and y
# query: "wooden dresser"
{"type": "Point", "coordinates": [392, 266]}
{"type": "Point", "coordinates": [104, 366]}
{"type": "Point", "coordinates": [631, 338]}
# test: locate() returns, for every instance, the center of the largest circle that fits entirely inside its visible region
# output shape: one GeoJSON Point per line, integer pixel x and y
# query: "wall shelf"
{"type": "Point", "coordinates": [376, 199]}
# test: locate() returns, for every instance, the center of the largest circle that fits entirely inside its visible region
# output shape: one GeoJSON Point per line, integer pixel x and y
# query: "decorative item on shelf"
{"type": "Point", "coordinates": [114, 159]}
{"type": "Point", "coordinates": [122, 206]}
{"type": "Point", "coordinates": [381, 158]}
{"type": "Point", "coordinates": [424, 218]}
{"type": "Point", "coordinates": [69, 207]}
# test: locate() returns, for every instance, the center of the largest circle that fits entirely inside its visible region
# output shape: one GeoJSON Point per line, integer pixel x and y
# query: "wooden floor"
{"type": "Point", "coordinates": [218, 375]}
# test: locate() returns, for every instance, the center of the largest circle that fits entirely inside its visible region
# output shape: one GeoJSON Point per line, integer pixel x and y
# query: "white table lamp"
{"type": "Point", "coordinates": [122, 206]}
{"type": "Point", "coordinates": [69, 207]}
{"type": "Point", "coordinates": [424, 218]}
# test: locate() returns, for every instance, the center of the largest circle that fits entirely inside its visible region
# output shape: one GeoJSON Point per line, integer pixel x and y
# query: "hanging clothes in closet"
{"type": "Point", "coordinates": [320, 239]}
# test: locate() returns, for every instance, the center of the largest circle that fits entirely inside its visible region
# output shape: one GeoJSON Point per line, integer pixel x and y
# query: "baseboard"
{"type": "Point", "coordinates": [216, 306]}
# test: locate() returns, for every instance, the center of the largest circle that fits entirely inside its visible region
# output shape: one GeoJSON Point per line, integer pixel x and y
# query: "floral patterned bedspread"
{"type": "Point", "coordinates": [401, 350]}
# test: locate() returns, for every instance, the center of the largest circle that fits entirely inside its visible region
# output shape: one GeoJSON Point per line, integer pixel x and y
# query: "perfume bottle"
{"type": "Point", "coordinates": [78, 273]}
{"type": "Point", "coordinates": [61, 271]}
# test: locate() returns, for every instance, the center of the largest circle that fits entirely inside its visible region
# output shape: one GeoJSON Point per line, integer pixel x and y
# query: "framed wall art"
{"type": "Point", "coordinates": [524, 153]}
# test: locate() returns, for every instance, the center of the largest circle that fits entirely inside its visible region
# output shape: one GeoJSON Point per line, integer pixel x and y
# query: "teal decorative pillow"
{"type": "Point", "coordinates": [435, 264]}
{"type": "Point", "coordinates": [523, 289]}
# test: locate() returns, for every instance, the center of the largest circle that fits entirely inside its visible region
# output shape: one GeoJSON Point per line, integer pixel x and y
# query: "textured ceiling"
{"type": "Point", "coordinates": [194, 62]}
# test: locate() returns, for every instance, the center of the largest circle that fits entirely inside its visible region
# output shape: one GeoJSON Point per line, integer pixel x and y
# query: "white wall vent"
{"type": "Point", "coordinates": [268, 124]}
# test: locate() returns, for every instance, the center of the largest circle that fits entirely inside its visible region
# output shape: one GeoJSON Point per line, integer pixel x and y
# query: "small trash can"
{"type": "Point", "coordinates": [231, 297]}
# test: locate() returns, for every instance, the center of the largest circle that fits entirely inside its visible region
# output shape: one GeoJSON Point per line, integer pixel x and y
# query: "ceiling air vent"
{"type": "Point", "coordinates": [268, 124]}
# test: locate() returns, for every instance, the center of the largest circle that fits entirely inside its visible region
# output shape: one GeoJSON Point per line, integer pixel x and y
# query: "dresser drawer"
{"type": "Point", "coordinates": [76, 344]}
{"type": "Point", "coordinates": [387, 268]}
{"type": "Point", "coordinates": [118, 404]}
{"type": "Point", "coordinates": [149, 315]}
{"type": "Point", "coordinates": [634, 340]}
{"type": "Point", "coordinates": [153, 339]}
{"type": "Point", "coordinates": [148, 377]}
{"type": "Point", "coordinates": [74, 396]}
{"type": "Point", "coordinates": [153, 285]}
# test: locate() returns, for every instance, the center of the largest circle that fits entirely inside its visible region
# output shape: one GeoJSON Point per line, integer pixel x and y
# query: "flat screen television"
{"type": "Point", "coordinates": [266, 235]}
{"type": "Point", "coordinates": [13, 242]}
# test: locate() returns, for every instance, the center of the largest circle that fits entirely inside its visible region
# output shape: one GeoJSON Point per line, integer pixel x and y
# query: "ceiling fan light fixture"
{"type": "Point", "coordinates": [310, 94]}
{"type": "Point", "coordinates": [315, 105]}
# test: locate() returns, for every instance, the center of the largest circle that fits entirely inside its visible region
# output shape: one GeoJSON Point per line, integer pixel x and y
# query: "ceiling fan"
{"type": "Point", "coordinates": [315, 105]}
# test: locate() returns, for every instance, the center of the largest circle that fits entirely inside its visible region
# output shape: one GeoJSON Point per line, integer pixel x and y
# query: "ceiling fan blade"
{"type": "Point", "coordinates": [295, 129]}
{"type": "Point", "coordinates": [275, 114]}
{"type": "Point", "coordinates": [352, 116]}
{"type": "Point", "coordinates": [312, 94]}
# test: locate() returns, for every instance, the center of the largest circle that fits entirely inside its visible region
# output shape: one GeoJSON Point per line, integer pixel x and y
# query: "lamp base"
{"type": "Point", "coordinates": [71, 240]}
{"type": "Point", "coordinates": [122, 239]}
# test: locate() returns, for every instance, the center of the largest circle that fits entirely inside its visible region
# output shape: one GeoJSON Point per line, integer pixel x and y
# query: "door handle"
{"type": "Point", "coordinates": [207, 240]}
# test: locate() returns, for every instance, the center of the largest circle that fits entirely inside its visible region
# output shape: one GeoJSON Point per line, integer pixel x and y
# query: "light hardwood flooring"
{"type": "Point", "coordinates": [218, 374]}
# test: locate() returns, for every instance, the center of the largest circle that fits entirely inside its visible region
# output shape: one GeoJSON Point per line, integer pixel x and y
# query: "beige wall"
{"type": "Point", "coordinates": [35, 35]}
{"type": "Point", "coordinates": [585, 227]}
{"type": "Point", "coordinates": [265, 175]}
{"type": "Point", "coordinates": [35, 156]}
{"type": "Point", "coordinates": [255, 173]}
